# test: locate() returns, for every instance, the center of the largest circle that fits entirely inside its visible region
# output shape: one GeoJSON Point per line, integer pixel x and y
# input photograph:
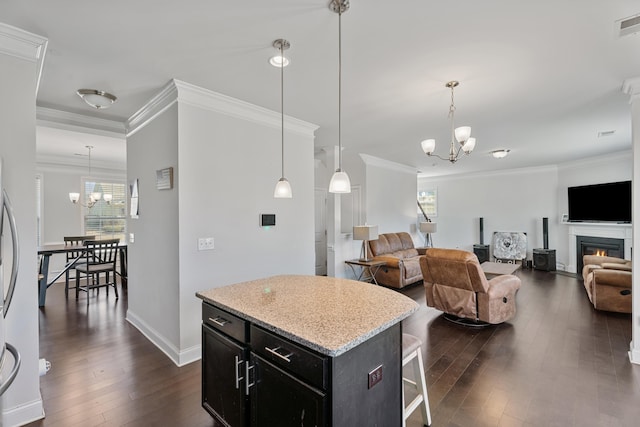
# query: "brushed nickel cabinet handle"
{"type": "Point", "coordinates": [220, 321]}
{"type": "Point", "coordinates": [238, 377]}
{"type": "Point", "coordinates": [248, 385]}
{"type": "Point", "coordinates": [274, 351]}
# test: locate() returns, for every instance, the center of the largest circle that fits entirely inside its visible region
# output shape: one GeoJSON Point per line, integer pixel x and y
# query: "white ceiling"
{"type": "Point", "coordinates": [540, 78]}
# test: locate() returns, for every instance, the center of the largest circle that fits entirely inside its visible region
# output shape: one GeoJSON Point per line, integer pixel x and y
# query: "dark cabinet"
{"type": "Point", "coordinates": [280, 399]}
{"type": "Point", "coordinates": [223, 387]}
{"type": "Point", "coordinates": [255, 377]}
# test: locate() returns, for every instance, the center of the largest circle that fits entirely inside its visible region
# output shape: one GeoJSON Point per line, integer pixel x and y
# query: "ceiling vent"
{"type": "Point", "coordinates": [628, 26]}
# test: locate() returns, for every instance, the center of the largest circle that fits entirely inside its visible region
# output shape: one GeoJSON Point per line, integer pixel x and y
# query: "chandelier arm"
{"type": "Point", "coordinates": [441, 158]}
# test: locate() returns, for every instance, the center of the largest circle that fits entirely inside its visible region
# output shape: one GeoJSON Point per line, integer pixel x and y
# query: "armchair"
{"type": "Point", "coordinates": [455, 283]}
{"type": "Point", "coordinates": [607, 281]}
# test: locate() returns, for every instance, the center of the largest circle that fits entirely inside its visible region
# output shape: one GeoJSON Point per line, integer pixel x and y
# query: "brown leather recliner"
{"type": "Point", "coordinates": [401, 259]}
{"type": "Point", "coordinates": [455, 283]}
{"type": "Point", "coordinates": [607, 281]}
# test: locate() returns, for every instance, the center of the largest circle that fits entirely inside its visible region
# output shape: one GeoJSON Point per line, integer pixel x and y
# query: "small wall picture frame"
{"type": "Point", "coordinates": [164, 178]}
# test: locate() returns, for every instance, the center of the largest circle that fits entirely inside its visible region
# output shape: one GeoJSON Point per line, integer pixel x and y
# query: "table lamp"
{"type": "Point", "coordinates": [427, 228]}
{"type": "Point", "coordinates": [365, 233]}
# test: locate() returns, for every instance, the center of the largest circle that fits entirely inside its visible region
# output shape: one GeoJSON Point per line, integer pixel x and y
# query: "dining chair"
{"type": "Point", "coordinates": [101, 258]}
{"type": "Point", "coordinates": [72, 255]}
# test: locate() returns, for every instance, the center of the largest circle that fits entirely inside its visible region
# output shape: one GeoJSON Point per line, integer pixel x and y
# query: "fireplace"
{"type": "Point", "coordinates": [591, 245]}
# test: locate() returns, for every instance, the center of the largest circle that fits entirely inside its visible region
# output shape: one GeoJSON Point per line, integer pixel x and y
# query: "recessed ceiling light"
{"type": "Point", "coordinates": [97, 98]}
{"type": "Point", "coordinates": [500, 154]}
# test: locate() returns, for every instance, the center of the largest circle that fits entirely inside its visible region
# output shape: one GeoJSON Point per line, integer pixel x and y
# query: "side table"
{"type": "Point", "coordinates": [367, 269]}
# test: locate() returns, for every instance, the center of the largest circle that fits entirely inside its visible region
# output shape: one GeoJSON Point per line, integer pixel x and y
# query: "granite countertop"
{"type": "Point", "coordinates": [327, 314]}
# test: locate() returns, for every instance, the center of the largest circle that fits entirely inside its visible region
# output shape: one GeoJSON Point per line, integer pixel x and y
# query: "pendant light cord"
{"type": "Point", "coordinates": [282, 102]}
{"type": "Point", "coordinates": [340, 87]}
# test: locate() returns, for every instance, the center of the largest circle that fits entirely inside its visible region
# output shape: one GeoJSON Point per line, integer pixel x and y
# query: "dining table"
{"type": "Point", "coordinates": [46, 251]}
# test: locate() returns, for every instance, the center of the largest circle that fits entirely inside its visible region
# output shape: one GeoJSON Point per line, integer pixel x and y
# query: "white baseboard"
{"type": "Point", "coordinates": [177, 356]}
{"type": "Point", "coordinates": [23, 414]}
{"type": "Point", "coordinates": [634, 354]}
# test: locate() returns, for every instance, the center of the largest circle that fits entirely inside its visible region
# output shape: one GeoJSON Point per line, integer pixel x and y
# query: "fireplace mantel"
{"type": "Point", "coordinates": [597, 229]}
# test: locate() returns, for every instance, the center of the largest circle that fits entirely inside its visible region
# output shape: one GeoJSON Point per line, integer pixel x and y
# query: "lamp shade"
{"type": "Point", "coordinates": [340, 183]}
{"type": "Point", "coordinates": [365, 232]}
{"type": "Point", "coordinates": [283, 189]}
{"type": "Point", "coordinates": [74, 197]}
{"type": "Point", "coordinates": [469, 145]}
{"type": "Point", "coordinates": [428, 227]}
{"type": "Point", "coordinates": [463, 133]}
{"type": "Point", "coordinates": [428, 146]}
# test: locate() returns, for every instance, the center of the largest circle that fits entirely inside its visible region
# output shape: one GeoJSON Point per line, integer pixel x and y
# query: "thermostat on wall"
{"type": "Point", "coordinates": [267, 220]}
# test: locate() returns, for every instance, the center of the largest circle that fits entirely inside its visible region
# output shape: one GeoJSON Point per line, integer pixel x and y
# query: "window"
{"type": "Point", "coordinates": [106, 220]}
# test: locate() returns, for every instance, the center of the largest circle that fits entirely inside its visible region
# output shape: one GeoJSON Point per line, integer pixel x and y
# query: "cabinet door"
{"type": "Point", "coordinates": [223, 387]}
{"type": "Point", "coordinates": [279, 399]}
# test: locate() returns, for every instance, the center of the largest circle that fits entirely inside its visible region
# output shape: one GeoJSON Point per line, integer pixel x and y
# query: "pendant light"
{"type": "Point", "coordinates": [283, 188]}
{"type": "Point", "coordinates": [340, 182]}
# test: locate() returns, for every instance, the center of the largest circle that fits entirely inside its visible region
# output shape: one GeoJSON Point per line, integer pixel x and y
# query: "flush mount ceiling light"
{"type": "Point", "coordinates": [283, 188]}
{"type": "Point", "coordinates": [340, 182]}
{"type": "Point", "coordinates": [500, 154]}
{"type": "Point", "coordinates": [461, 134]}
{"type": "Point", "coordinates": [98, 99]}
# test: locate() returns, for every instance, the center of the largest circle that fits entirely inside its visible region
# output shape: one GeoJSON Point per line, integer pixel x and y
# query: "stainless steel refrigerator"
{"type": "Point", "coordinates": [8, 370]}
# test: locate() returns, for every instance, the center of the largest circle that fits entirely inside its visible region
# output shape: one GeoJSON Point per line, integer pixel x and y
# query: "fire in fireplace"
{"type": "Point", "coordinates": [603, 246]}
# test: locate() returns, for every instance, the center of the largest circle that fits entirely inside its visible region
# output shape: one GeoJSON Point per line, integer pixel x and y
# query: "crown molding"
{"type": "Point", "coordinates": [80, 123]}
{"type": "Point", "coordinates": [484, 174]}
{"type": "Point", "coordinates": [24, 45]}
{"type": "Point", "coordinates": [188, 94]}
{"type": "Point", "coordinates": [157, 105]}
{"type": "Point", "coordinates": [386, 164]}
{"type": "Point", "coordinates": [632, 88]}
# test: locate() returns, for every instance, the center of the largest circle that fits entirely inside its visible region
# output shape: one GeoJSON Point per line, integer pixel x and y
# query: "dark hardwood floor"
{"type": "Point", "coordinates": [558, 363]}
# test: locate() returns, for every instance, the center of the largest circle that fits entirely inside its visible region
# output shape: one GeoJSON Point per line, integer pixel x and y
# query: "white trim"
{"type": "Point", "coordinates": [188, 94]}
{"type": "Point", "coordinates": [632, 88]}
{"type": "Point", "coordinates": [634, 354]}
{"type": "Point", "coordinates": [617, 156]}
{"type": "Point", "coordinates": [504, 172]}
{"type": "Point", "coordinates": [153, 108]}
{"type": "Point", "coordinates": [616, 231]}
{"type": "Point", "coordinates": [24, 45]}
{"type": "Point", "coordinates": [177, 356]}
{"type": "Point", "coordinates": [23, 414]}
{"type": "Point", "coordinates": [58, 119]}
{"type": "Point", "coordinates": [386, 164]}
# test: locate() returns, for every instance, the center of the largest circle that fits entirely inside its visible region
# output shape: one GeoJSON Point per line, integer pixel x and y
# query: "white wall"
{"type": "Point", "coordinates": [22, 402]}
{"type": "Point", "coordinates": [153, 257]}
{"type": "Point", "coordinates": [226, 159]}
{"type": "Point", "coordinates": [610, 168]}
{"type": "Point", "coordinates": [514, 200]}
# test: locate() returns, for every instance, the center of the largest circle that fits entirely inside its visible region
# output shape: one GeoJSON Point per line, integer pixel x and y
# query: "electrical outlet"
{"type": "Point", "coordinates": [131, 238]}
{"type": "Point", "coordinates": [205, 243]}
{"type": "Point", "coordinates": [375, 376]}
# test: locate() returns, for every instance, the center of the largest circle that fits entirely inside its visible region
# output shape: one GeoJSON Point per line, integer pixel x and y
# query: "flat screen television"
{"type": "Point", "coordinates": [610, 202]}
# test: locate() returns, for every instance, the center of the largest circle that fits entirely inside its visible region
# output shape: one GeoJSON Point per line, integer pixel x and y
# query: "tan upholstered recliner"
{"type": "Point", "coordinates": [455, 283]}
{"type": "Point", "coordinates": [607, 281]}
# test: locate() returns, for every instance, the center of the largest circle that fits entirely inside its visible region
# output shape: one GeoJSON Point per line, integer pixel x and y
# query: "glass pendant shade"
{"type": "Point", "coordinates": [108, 198]}
{"type": "Point", "coordinates": [463, 133]}
{"type": "Point", "coordinates": [74, 197]}
{"type": "Point", "coordinates": [469, 145]}
{"type": "Point", "coordinates": [340, 183]}
{"type": "Point", "coordinates": [95, 196]}
{"type": "Point", "coordinates": [428, 146]}
{"type": "Point", "coordinates": [283, 189]}
{"type": "Point", "coordinates": [279, 61]}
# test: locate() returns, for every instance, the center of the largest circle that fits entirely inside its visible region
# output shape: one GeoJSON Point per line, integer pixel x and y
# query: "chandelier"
{"type": "Point", "coordinates": [462, 135]}
{"type": "Point", "coordinates": [94, 196]}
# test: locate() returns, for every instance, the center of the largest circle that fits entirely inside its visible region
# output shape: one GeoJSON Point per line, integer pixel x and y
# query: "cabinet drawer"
{"type": "Point", "coordinates": [225, 322]}
{"type": "Point", "coordinates": [292, 357]}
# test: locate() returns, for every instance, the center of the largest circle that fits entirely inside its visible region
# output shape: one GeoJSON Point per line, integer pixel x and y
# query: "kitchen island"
{"type": "Point", "coordinates": [303, 351]}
